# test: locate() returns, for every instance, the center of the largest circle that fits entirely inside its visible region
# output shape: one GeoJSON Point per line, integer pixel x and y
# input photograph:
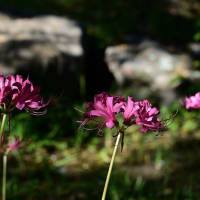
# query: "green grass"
{"type": "Point", "coordinates": [150, 167]}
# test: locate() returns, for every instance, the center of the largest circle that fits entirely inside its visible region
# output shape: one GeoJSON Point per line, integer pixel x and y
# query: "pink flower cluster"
{"type": "Point", "coordinates": [133, 112]}
{"type": "Point", "coordinates": [14, 92]}
{"type": "Point", "coordinates": [192, 102]}
{"type": "Point", "coordinates": [12, 144]}
{"type": "Point", "coordinates": [23, 95]}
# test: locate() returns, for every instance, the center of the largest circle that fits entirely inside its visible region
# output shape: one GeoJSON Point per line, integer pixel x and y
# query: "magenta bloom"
{"type": "Point", "coordinates": [192, 102]}
{"type": "Point", "coordinates": [5, 89]}
{"type": "Point", "coordinates": [107, 111]}
{"type": "Point", "coordinates": [129, 111]}
{"type": "Point", "coordinates": [14, 145]}
{"type": "Point", "coordinates": [105, 107]}
{"type": "Point", "coordinates": [146, 116]}
{"type": "Point", "coordinates": [99, 97]}
{"type": "Point", "coordinates": [14, 92]}
{"type": "Point", "coordinates": [27, 97]}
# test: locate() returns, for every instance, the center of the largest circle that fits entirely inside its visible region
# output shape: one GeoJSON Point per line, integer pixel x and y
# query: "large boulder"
{"type": "Point", "coordinates": [150, 67]}
{"type": "Point", "coordinates": [47, 44]}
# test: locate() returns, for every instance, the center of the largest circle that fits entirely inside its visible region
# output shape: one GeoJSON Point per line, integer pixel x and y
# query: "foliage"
{"type": "Point", "coordinates": [63, 162]}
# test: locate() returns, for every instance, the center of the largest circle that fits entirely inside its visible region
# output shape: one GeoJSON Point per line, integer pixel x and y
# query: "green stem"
{"type": "Point", "coordinates": [110, 167]}
{"type": "Point", "coordinates": [4, 159]}
{"type": "Point", "coordinates": [4, 177]}
{"type": "Point", "coordinates": [2, 124]}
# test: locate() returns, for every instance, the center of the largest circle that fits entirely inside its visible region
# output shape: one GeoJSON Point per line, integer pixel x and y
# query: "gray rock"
{"type": "Point", "coordinates": [42, 38]}
{"type": "Point", "coordinates": [149, 63]}
{"type": "Point", "coordinates": [194, 48]}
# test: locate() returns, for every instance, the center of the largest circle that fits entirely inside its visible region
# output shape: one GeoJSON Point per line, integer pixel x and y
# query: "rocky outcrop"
{"type": "Point", "coordinates": [42, 38]}
{"type": "Point", "coordinates": [149, 64]}
{"type": "Point", "coordinates": [44, 44]}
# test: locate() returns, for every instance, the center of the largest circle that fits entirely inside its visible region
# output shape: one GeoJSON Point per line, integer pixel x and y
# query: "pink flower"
{"type": "Point", "coordinates": [105, 107]}
{"type": "Point", "coordinates": [14, 145]}
{"type": "Point", "coordinates": [192, 102]}
{"type": "Point", "coordinates": [27, 97]}
{"type": "Point", "coordinates": [5, 89]}
{"type": "Point", "coordinates": [14, 92]}
{"type": "Point", "coordinates": [106, 111]}
{"type": "Point", "coordinates": [99, 97]}
{"type": "Point", "coordinates": [146, 116]}
{"type": "Point", "coordinates": [129, 111]}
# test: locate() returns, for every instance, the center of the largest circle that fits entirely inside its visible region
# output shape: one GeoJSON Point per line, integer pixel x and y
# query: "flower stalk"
{"type": "Point", "coordinates": [4, 176]}
{"type": "Point", "coordinates": [23, 95]}
{"type": "Point", "coordinates": [110, 109]}
{"type": "Point", "coordinates": [4, 158]}
{"type": "Point", "coordinates": [2, 125]}
{"type": "Point", "coordinates": [111, 166]}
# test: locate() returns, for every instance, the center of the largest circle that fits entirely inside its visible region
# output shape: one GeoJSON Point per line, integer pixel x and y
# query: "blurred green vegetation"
{"type": "Point", "coordinates": [151, 166]}
{"type": "Point", "coordinates": [62, 162]}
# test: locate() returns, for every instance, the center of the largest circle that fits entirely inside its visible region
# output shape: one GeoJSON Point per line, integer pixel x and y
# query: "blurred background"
{"type": "Point", "coordinates": [74, 49]}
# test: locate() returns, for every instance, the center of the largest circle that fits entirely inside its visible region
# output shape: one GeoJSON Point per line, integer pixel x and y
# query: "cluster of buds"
{"type": "Point", "coordinates": [133, 112]}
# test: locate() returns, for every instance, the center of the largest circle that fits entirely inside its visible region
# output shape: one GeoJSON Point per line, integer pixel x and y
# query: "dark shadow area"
{"type": "Point", "coordinates": [98, 77]}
